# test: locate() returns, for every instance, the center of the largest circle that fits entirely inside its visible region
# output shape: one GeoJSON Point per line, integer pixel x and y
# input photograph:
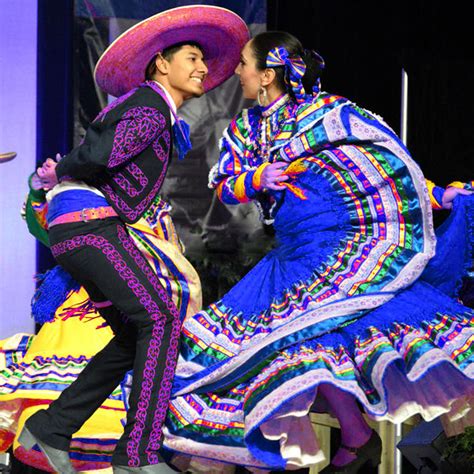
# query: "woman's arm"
{"type": "Point", "coordinates": [443, 198]}
{"type": "Point", "coordinates": [233, 181]}
{"type": "Point", "coordinates": [233, 177]}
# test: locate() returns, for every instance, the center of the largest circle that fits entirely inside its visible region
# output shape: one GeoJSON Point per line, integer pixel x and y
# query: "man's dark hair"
{"type": "Point", "coordinates": [168, 54]}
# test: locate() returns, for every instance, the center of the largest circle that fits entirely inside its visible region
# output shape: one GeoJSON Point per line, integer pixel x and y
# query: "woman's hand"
{"type": "Point", "coordinates": [272, 175]}
{"type": "Point", "coordinates": [47, 174]}
{"type": "Point", "coordinates": [450, 194]}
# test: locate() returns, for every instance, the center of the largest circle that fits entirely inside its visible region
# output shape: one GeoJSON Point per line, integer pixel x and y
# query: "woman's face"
{"type": "Point", "coordinates": [250, 76]}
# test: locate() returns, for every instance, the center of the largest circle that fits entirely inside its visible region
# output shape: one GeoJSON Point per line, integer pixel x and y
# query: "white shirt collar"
{"type": "Point", "coordinates": [170, 99]}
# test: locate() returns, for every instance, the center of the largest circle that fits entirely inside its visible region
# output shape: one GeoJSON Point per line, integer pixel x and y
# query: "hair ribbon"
{"type": "Point", "coordinates": [294, 68]}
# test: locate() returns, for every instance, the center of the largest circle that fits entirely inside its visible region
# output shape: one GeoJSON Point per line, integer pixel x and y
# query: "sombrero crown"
{"type": "Point", "coordinates": [220, 32]}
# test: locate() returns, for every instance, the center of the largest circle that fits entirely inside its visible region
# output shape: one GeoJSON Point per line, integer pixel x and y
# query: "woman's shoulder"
{"type": "Point", "coordinates": [315, 108]}
{"type": "Point", "coordinates": [322, 102]}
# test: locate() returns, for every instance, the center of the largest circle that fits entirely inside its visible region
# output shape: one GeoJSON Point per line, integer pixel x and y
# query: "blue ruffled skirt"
{"type": "Point", "coordinates": [352, 295]}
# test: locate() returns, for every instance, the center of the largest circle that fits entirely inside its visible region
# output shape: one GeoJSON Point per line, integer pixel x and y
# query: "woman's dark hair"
{"type": "Point", "coordinates": [263, 43]}
{"type": "Point", "coordinates": [167, 54]}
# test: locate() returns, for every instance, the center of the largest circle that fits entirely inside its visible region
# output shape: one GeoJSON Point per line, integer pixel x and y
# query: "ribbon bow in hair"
{"type": "Point", "coordinates": [294, 68]}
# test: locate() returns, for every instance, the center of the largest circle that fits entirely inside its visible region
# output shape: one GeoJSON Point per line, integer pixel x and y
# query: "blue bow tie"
{"type": "Point", "coordinates": [182, 141]}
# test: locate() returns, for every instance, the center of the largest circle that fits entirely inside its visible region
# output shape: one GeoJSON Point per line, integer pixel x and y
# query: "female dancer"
{"type": "Point", "coordinates": [350, 307]}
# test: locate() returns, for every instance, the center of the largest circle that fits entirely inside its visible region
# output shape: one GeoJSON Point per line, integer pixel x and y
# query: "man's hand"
{"type": "Point", "coordinates": [272, 175]}
{"type": "Point", "coordinates": [450, 194]}
{"type": "Point", "coordinates": [35, 182]}
{"type": "Point", "coordinates": [47, 174]}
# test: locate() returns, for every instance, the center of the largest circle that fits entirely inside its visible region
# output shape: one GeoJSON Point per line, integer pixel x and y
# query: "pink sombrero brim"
{"type": "Point", "coordinates": [221, 33]}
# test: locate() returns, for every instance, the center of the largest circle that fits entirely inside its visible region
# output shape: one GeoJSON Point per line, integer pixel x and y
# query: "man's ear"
{"type": "Point", "coordinates": [162, 65]}
{"type": "Point", "coordinates": [268, 76]}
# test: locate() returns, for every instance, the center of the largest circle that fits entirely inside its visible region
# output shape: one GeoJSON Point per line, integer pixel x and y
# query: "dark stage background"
{"type": "Point", "coordinates": [365, 45]}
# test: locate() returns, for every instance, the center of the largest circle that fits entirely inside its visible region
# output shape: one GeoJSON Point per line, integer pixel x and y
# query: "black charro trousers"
{"type": "Point", "coordinates": [101, 256]}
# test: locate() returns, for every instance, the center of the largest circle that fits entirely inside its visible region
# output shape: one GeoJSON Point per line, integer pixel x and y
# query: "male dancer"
{"type": "Point", "coordinates": [111, 178]}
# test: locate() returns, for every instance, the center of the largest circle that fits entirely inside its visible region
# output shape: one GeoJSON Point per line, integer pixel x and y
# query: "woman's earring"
{"type": "Point", "coordinates": [262, 97]}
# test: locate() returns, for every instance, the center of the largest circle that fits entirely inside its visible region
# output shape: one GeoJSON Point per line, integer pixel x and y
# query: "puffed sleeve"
{"type": "Point", "coordinates": [234, 178]}
{"type": "Point", "coordinates": [315, 132]}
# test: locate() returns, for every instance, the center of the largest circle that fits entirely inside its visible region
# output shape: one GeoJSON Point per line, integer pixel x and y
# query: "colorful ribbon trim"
{"type": "Point", "coordinates": [294, 68]}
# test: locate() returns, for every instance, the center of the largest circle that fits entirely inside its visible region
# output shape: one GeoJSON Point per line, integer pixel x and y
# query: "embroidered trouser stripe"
{"type": "Point", "coordinates": [164, 393]}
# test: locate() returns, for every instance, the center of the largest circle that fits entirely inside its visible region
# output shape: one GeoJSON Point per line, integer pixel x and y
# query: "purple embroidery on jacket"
{"type": "Point", "coordinates": [124, 208]}
{"type": "Point", "coordinates": [113, 104]}
{"type": "Point", "coordinates": [162, 152]}
{"type": "Point", "coordinates": [153, 351]}
{"type": "Point", "coordinates": [136, 130]}
{"type": "Point", "coordinates": [126, 185]}
{"type": "Point", "coordinates": [137, 173]}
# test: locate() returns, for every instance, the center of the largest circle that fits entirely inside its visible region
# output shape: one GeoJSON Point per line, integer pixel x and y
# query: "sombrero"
{"type": "Point", "coordinates": [220, 32]}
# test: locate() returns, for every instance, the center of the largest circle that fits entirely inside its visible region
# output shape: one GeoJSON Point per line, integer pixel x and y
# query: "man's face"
{"type": "Point", "coordinates": [186, 72]}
